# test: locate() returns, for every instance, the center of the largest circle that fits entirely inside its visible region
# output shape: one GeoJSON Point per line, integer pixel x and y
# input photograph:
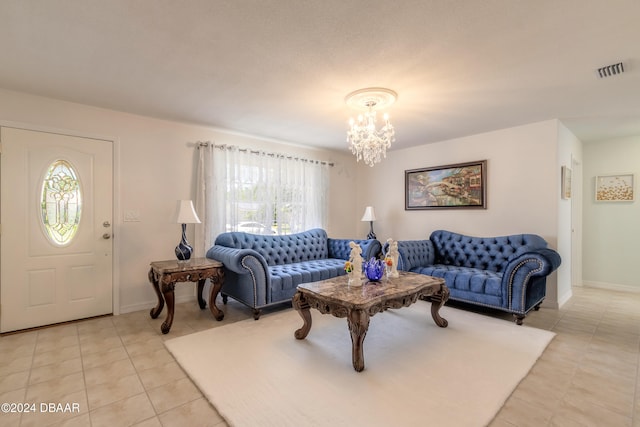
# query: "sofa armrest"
{"type": "Point", "coordinates": [415, 253]}
{"type": "Point", "coordinates": [340, 249]}
{"type": "Point", "coordinates": [537, 262]}
{"type": "Point", "coordinates": [241, 261]}
{"type": "Point", "coordinates": [520, 270]}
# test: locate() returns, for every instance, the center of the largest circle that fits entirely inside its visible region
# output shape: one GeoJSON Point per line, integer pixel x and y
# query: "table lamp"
{"type": "Point", "coordinates": [369, 215]}
{"type": "Point", "coordinates": [186, 214]}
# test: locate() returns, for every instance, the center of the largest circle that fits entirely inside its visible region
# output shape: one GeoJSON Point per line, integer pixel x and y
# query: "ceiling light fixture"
{"type": "Point", "coordinates": [365, 141]}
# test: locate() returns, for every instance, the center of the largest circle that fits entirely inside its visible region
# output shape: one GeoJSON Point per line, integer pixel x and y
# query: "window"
{"type": "Point", "coordinates": [61, 202]}
{"type": "Point", "coordinates": [260, 193]}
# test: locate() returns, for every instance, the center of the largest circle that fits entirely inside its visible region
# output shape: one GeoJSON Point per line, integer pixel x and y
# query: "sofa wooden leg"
{"type": "Point", "coordinates": [519, 318]}
{"type": "Point", "coordinates": [537, 307]}
{"type": "Point", "coordinates": [225, 298]}
{"type": "Point", "coordinates": [256, 314]}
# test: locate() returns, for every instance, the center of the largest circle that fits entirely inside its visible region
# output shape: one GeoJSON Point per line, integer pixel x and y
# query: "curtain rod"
{"type": "Point", "coordinates": [277, 155]}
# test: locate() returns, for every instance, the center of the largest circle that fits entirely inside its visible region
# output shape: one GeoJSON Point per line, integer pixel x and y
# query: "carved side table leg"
{"type": "Point", "coordinates": [167, 291]}
{"type": "Point", "coordinates": [437, 301]}
{"type": "Point", "coordinates": [302, 307]}
{"type": "Point", "coordinates": [216, 285]}
{"type": "Point", "coordinates": [155, 312]}
{"type": "Point", "coordinates": [358, 321]}
{"type": "Point", "coordinates": [201, 302]}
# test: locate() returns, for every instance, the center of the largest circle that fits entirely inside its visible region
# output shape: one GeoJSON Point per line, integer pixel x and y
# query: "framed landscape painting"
{"type": "Point", "coordinates": [458, 186]}
{"type": "Point", "coordinates": [615, 188]}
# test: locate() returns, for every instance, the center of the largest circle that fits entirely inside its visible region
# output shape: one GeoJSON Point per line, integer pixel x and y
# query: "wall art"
{"type": "Point", "coordinates": [566, 182]}
{"type": "Point", "coordinates": [615, 188]}
{"type": "Point", "coordinates": [458, 186]}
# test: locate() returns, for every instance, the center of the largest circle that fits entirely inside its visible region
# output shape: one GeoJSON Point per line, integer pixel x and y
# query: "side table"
{"type": "Point", "coordinates": [163, 275]}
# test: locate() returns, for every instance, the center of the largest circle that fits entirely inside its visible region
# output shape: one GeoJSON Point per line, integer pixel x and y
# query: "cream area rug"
{"type": "Point", "coordinates": [255, 373]}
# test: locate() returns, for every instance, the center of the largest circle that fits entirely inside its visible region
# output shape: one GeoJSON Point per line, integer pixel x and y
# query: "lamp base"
{"type": "Point", "coordinates": [184, 249]}
{"type": "Point", "coordinates": [371, 234]}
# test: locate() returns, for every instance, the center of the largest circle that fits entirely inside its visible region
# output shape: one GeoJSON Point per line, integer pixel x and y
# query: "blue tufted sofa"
{"type": "Point", "coordinates": [506, 273]}
{"type": "Point", "coordinates": [265, 270]}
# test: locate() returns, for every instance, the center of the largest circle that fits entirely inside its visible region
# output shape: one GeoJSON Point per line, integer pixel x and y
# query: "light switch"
{"type": "Point", "coordinates": [132, 216]}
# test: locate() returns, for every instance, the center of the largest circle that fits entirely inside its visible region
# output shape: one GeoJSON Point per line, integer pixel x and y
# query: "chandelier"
{"type": "Point", "coordinates": [366, 142]}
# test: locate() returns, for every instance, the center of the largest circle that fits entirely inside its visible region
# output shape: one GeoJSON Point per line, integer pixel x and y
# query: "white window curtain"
{"type": "Point", "coordinates": [257, 192]}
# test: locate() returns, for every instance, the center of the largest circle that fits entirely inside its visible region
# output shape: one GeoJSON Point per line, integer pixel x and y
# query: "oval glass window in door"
{"type": "Point", "coordinates": [61, 202]}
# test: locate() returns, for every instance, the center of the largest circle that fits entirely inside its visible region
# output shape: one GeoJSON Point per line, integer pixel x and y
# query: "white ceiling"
{"type": "Point", "coordinates": [281, 68]}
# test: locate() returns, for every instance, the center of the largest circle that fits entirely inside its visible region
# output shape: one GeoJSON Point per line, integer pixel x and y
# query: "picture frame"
{"type": "Point", "coordinates": [566, 182]}
{"type": "Point", "coordinates": [615, 188]}
{"type": "Point", "coordinates": [456, 186]}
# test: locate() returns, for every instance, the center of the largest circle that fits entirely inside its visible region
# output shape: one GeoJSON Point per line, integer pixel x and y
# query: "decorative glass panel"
{"type": "Point", "coordinates": [61, 202]}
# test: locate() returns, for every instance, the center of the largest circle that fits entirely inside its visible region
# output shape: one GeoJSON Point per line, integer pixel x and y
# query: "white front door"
{"type": "Point", "coordinates": [56, 198]}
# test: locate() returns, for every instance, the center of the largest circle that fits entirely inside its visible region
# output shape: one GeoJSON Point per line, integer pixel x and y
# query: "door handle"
{"type": "Point", "coordinates": [106, 236]}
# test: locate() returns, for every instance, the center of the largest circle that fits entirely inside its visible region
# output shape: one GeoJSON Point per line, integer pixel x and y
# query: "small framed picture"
{"type": "Point", "coordinates": [566, 182]}
{"type": "Point", "coordinates": [615, 188]}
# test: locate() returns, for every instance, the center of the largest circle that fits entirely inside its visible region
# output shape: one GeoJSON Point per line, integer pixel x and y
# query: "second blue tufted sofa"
{"type": "Point", "coordinates": [264, 270]}
{"type": "Point", "coordinates": [507, 272]}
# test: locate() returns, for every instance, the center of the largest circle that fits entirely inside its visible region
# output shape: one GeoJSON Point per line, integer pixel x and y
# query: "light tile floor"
{"type": "Point", "coordinates": [118, 372]}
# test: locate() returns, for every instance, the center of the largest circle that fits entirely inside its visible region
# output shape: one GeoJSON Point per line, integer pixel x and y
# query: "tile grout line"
{"type": "Point", "coordinates": [26, 387]}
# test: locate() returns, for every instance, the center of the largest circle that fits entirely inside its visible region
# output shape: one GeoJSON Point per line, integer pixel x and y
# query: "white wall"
{"type": "Point", "coordinates": [611, 229]}
{"type": "Point", "coordinates": [155, 166]}
{"type": "Point", "coordinates": [523, 188]}
{"type": "Point", "coordinates": [569, 215]}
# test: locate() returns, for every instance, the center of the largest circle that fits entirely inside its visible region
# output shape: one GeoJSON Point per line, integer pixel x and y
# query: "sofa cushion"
{"type": "Point", "coordinates": [286, 277]}
{"type": "Point", "coordinates": [468, 284]}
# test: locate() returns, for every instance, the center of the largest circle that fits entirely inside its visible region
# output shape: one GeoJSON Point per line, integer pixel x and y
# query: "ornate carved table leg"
{"type": "Point", "coordinates": [358, 321]}
{"type": "Point", "coordinates": [201, 302]}
{"type": "Point", "coordinates": [216, 285]}
{"type": "Point", "coordinates": [167, 291]}
{"type": "Point", "coordinates": [302, 307]}
{"type": "Point", "coordinates": [155, 312]}
{"type": "Point", "coordinates": [437, 301]}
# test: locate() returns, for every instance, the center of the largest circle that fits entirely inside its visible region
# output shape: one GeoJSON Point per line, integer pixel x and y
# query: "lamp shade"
{"type": "Point", "coordinates": [369, 214]}
{"type": "Point", "coordinates": [186, 213]}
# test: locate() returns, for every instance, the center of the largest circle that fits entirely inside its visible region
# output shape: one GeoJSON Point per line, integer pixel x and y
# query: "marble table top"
{"type": "Point", "coordinates": [339, 291]}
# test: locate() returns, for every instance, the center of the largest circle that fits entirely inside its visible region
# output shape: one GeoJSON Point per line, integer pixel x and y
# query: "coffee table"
{"type": "Point", "coordinates": [358, 303]}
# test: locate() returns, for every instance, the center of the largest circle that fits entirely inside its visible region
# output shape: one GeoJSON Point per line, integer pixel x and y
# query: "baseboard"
{"type": "Point", "coordinates": [149, 305]}
{"type": "Point", "coordinates": [611, 286]}
{"type": "Point", "coordinates": [564, 299]}
{"type": "Point", "coordinates": [547, 303]}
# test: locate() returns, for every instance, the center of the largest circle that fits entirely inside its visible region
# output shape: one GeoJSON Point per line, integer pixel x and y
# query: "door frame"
{"type": "Point", "coordinates": [117, 223]}
{"type": "Point", "coordinates": [577, 195]}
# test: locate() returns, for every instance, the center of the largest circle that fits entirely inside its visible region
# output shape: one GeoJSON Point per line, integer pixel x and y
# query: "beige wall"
{"type": "Point", "coordinates": [155, 166]}
{"type": "Point", "coordinates": [521, 185]}
{"type": "Point", "coordinates": [522, 188]}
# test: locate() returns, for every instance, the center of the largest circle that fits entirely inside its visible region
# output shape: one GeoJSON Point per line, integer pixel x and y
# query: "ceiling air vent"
{"type": "Point", "coordinates": [611, 70]}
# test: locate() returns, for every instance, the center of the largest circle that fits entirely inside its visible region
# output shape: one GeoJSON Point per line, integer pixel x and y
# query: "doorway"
{"type": "Point", "coordinates": [56, 207]}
